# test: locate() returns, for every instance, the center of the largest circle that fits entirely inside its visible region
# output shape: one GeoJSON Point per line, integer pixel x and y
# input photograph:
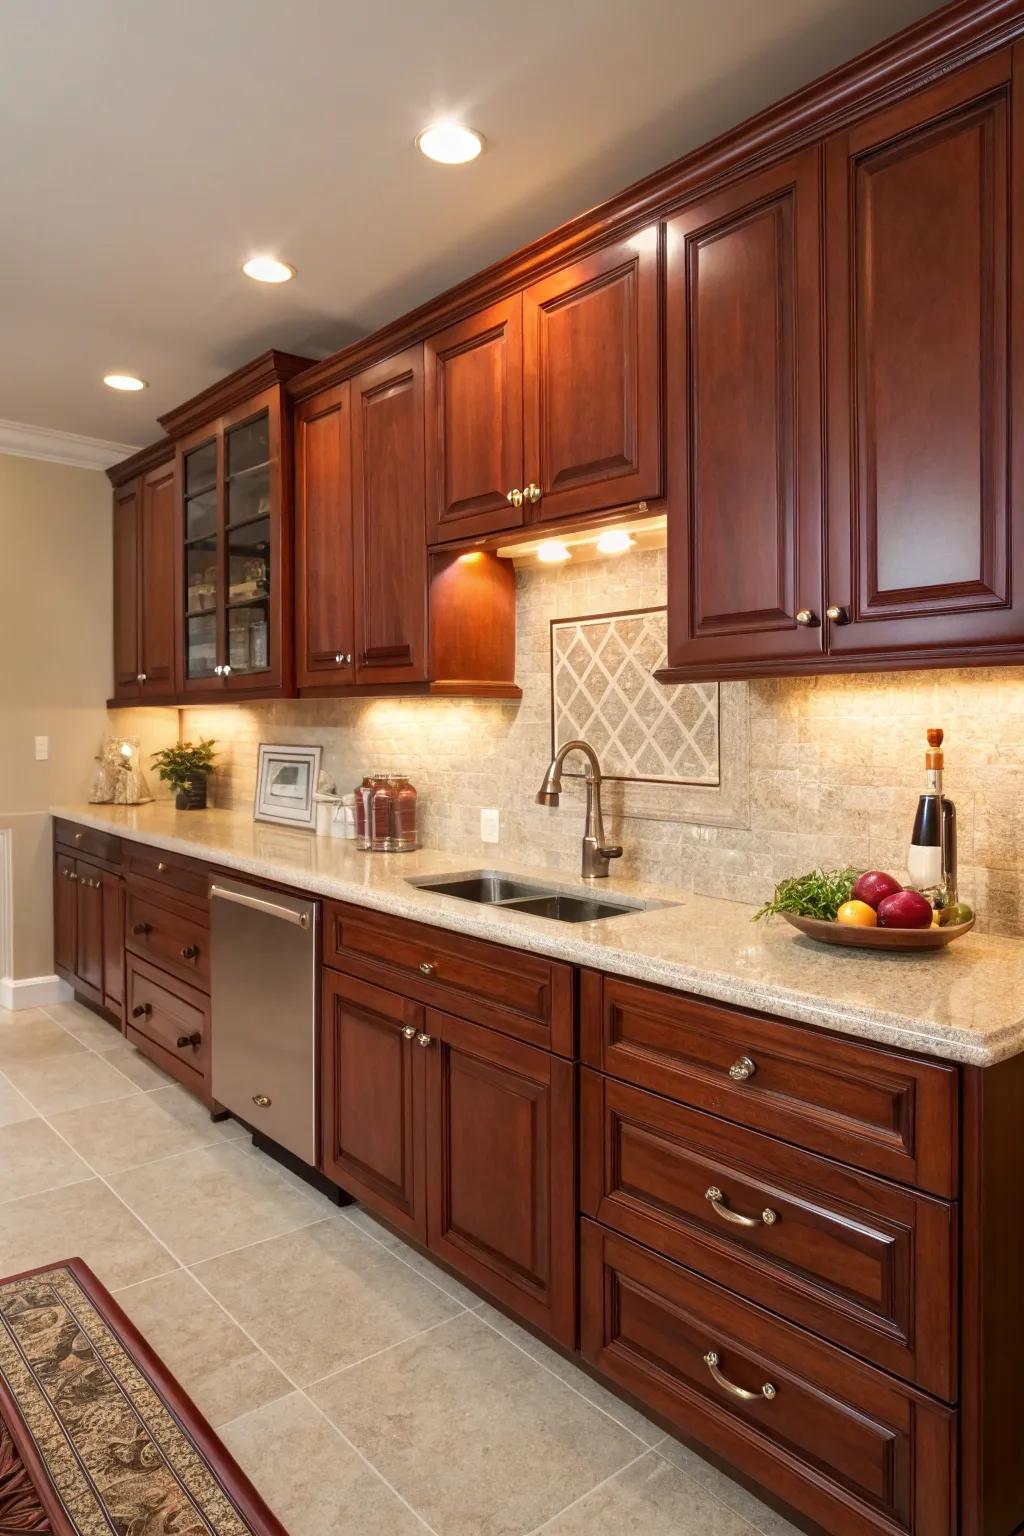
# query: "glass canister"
{"type": "Point", "coordinates": [386, 813]}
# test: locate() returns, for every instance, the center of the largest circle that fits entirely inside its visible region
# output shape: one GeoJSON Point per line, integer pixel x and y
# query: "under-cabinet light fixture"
{"type": "Point", "coordinates": [450, 143]}
{"type": "Point", "coordinates": [123, 381]}
{"type": "Point", "coordinates": [267, 269]}
{"type": "Point", "coordinates": [637, 528]}
{"type": "Point", "coordinates": [615, 541]}
{"type": "Point", "coordinates": [552, 552]}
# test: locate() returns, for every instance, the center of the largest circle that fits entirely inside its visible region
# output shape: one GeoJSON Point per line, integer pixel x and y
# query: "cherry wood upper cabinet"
{"type": "Point", "coordinates": [388, 509]}
{"type": "Point", "coordinates": [325, 642]}
{"type": "Point", "coordinates": [127, 665]}
{"type": "Point", "coordinates": [743, 346]}
{"type": "Point", "coordinates": [156, 583]}
{"type": "Point", "coordinates": [592, 382]}
{"type": "Point", "coordinates": [474, 423]}
{"type": "Point", "coordinates": [920, 200]}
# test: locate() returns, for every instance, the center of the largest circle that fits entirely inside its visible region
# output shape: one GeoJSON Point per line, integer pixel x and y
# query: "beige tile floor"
{"type": "Point", "coordinates": [364, 1391]}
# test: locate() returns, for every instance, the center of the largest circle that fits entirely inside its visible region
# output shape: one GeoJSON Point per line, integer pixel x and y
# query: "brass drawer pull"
{"type": "Point", "coordinates": [742, 1069]}
{"type": "Point", "coordinates": [190, 952]}
{"type": "Point", "coordinates": [716, 1200]}
{"type": "Point", "coordinates": [142, 1011]}
{"type": "Point", "coordinates": [186, 1040]}
{"type": "Point", "coordinates": [141, 928]}
{"type": "Point", "coordinates": [261, 1101]}
{"type": "Point", "coordinates": [426, 968]}
{"type": "Point", "coordinates": [767, 1391]}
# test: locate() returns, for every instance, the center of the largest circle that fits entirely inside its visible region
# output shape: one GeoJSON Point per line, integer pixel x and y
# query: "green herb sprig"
{"type": "Point", "coordinates": [819, 894]}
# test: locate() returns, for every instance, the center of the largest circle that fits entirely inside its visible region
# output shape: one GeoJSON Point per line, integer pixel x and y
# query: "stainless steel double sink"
{"type": "Point", "coordinates": [493, 889]}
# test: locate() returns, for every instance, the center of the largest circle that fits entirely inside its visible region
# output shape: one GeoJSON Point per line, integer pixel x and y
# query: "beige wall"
{"type": "Point", "coordinates": [55, 649]}
{"type": "Point", "coordinates": [830, 767]}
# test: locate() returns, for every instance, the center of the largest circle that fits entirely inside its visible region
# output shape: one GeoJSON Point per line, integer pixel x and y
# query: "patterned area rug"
{"type": "Point", "coordinates": [95, 1435]}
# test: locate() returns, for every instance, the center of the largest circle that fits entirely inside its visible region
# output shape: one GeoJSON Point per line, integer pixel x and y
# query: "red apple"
{"type": "Point", "coordinates": [874, 887]}
{"type": "Point", "coordinates": [905, 909]}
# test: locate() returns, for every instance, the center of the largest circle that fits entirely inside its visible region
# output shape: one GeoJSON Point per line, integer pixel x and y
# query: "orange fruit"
{"type": "Point", "coordinates": [857, 913]}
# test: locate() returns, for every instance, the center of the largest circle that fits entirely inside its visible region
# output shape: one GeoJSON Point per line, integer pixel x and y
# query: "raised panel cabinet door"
{"type": "Point", "coordinates": [743, 351]}
{"type": "Point", "coordinates": [127, 657]}
{"type": "Point", "coordinates": [388, 495]}
{"type": "Point", "coordinates": [90, 950]}
{"type": "Point", "coordinates": [501, 1191]}
{"type": "Point", "coordinates": [592, 382]}
{"type": "Point", "coordinates": [325, 638]}
{"type": "Point", "coordinates": [65, 915]}
{"type": "Point", "coordinates": [473, 380]}
{"type": "Point", "coordinates": [371, 1121]}
{"type": "Point", "coordinates": [922, 549]}
{"type": "Point", "coordinates": [156, 583]}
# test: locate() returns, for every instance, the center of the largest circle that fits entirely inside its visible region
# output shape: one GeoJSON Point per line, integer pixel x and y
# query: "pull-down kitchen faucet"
{"type": "Point", "coordinates": [595, 854]}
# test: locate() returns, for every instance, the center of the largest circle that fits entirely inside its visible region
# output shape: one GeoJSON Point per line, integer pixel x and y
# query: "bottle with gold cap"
{"type": "Point", "coordinates": [931, 861]}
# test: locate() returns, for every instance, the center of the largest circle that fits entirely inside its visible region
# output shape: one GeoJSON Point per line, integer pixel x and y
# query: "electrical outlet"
{"type": "Point", "coordinates": [489, 826]}
{"type": "Point", "coordinates": [42, 748]}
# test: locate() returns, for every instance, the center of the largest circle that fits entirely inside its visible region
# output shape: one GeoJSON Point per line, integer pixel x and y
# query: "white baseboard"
{"type": "Point", "coordinates": [33, 992]}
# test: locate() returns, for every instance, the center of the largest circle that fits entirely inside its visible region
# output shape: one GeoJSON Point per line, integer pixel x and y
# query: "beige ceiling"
{"type": "Point", "coordinates": [147, 148]}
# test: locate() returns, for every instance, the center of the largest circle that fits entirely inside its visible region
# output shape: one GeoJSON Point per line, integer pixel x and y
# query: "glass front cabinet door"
{"type": "Point", "coordinates": [234, 593]}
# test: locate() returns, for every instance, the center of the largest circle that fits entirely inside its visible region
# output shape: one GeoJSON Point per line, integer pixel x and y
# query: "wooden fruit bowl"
{"type": "Point", "coordinates": [846, 934]}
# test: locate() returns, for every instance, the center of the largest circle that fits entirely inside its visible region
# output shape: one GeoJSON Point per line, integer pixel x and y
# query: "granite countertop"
{"type": "Point", "coordinates": [964, 1003]}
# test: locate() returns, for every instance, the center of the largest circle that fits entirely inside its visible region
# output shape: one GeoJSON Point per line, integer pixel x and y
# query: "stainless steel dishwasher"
{"type": "Point", "coordinates": [263, 992]}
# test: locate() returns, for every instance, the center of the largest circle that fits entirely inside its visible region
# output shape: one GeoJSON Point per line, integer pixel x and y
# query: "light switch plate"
{"type": "Point", "coordinates": [42, 748]}
{"type": "Point", "coordinates": [489, 826]}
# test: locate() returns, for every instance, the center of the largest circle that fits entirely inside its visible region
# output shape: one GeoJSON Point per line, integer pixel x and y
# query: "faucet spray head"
{"type": "Point", "coordinates": [550, 790]}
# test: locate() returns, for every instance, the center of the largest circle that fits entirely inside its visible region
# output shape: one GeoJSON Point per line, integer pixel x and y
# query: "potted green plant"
{"type": "Point", "coordinates": [186, 768]}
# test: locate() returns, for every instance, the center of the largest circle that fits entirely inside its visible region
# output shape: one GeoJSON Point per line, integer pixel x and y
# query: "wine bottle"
{"type": "Point", "coordinates": [931, 860]}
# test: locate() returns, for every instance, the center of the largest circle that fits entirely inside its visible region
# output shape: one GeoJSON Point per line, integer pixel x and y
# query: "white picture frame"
{"type": "Point", "coordinates": [286, 780]}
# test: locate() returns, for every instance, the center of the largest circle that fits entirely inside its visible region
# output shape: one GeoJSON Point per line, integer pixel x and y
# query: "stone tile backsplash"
{"type": "Point", "coordinates": [814, 770]}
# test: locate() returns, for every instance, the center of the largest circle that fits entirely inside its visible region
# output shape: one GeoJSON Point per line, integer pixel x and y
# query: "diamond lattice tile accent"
{"type": "Point", "coordinates": [602, 689]}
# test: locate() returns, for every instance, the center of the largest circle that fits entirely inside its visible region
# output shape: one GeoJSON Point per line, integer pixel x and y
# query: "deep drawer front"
{"type": "Point", "coordinates": [879, 1110]}
{"type": "Point", "coordinates": [172, 940]}
{"type": "Point", "coordinates": [867, 1264]}
{"type": "Point", "coordinates": [172, 1015]}
{"type": "Point", "coordinates": [85, 840]}
{"type": "Point", "coordinates": [522, 994]}
{"type": "Point", "coordinates": [169, 871]}
{"type": "Point", "coordinates": [848, 1446]}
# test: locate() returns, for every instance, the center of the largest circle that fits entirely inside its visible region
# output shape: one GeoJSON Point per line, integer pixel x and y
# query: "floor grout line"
{"type": "Point", "coordinates": [546, 1524]}
{"type": "Point", "coordinates": [51, 1189]}
{"type": "Point", "coordinates": [396, 1253]}
{"type": "Point", "coordinates": [385, 1350]}
{"type": "Point", "coordinates": [582, 1395]}
{"type": "Point", "coordinates": [747, 1520]}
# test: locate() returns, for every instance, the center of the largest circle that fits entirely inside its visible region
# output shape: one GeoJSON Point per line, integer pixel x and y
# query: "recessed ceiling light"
{"type": "Point", "coordinates": [267, 269]}
{"type": "Point", "coordinates": [615, 541]}
{"type": "Point", "coordinates": [450, 143]}
{"type": "Point", "coordinates": [126, 381]}
{"type": "Point", "coordinates": [552, 552]}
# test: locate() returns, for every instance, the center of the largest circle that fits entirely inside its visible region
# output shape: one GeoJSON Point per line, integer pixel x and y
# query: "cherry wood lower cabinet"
{"type": "Point", "coordinates": [459, 1135]}
{"type": "Point", "coordinates": [847, 1445]}
{"type": "Point", "coordinates": [88, 925]}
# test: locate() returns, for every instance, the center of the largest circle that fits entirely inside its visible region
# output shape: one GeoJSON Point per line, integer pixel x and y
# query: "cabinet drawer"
{"type": "Point", "coordinates": [880, 1110]}
{"type": "Point", "coordinates": [521, 994]}
{"type": "Point", "coordinates": [85, 840]}
{"type": "Point", "coordinates": [865, 1263]}
{"type": "Point", "coordinates": [169, 871]}
{"type": "Point", "coordinates": [172, 940]}
{"type": "Point", "coordinates": [848, 1446]}
{"type": "Point", "coordinates": [168, 1013]}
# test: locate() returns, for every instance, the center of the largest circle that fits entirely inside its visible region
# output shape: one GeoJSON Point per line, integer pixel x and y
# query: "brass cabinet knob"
{"type": "Point", "coordinates": [72, 875]}
{"type": "Point", "coordinates": [409, 1032]}
{"type": "Point", "coordinates": [189, 951]}
{"type": "Point", "coordinates": [515, 498]}
{"type": "Point", "coordinates": [218, 671]}
{"type": "Point", "coordinates": [426, 968]}
{"type": "Point", "coordinates": [532, 493]}
{"type": "Point", "coordinates": [141, 928]}
{"type": "Point", "coordinates": [79, 836]}
{"type": "Point", "coordinates": [193, 1039]}
{"type": "Point", "coordinates": [226, 669]}
{"type": "Point", "coordinates": [742, 1069]}
{"type": "Point", "coordinates": [424, 1040]}
{"type": "Point", "coordinates": [838, 613]}
{"type": "Point", "coordinates": [767, 1392]}
{"type": "Point", "coordinates": [261, 1100]}
{"type": "Point", "coordinates": [142, 1011]}
{"type": "Point", "coordinates": [716, 1200]}
{"type": "Point", "coordinates": [805, 617]}
{"type": "Point", "coordinates": [161, 867]}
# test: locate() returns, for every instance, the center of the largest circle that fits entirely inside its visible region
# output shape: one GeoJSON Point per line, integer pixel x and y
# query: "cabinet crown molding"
{"type": "Point", "coordinates": [26, 442]}
{"type": "Point", "coordinates": [142, 462]}
{"type": "Point", "coordinates": [262, 373]}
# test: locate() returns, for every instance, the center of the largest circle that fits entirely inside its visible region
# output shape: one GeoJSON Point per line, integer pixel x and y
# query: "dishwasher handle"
{"type": "Point", "coordinates": [271, 908]}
